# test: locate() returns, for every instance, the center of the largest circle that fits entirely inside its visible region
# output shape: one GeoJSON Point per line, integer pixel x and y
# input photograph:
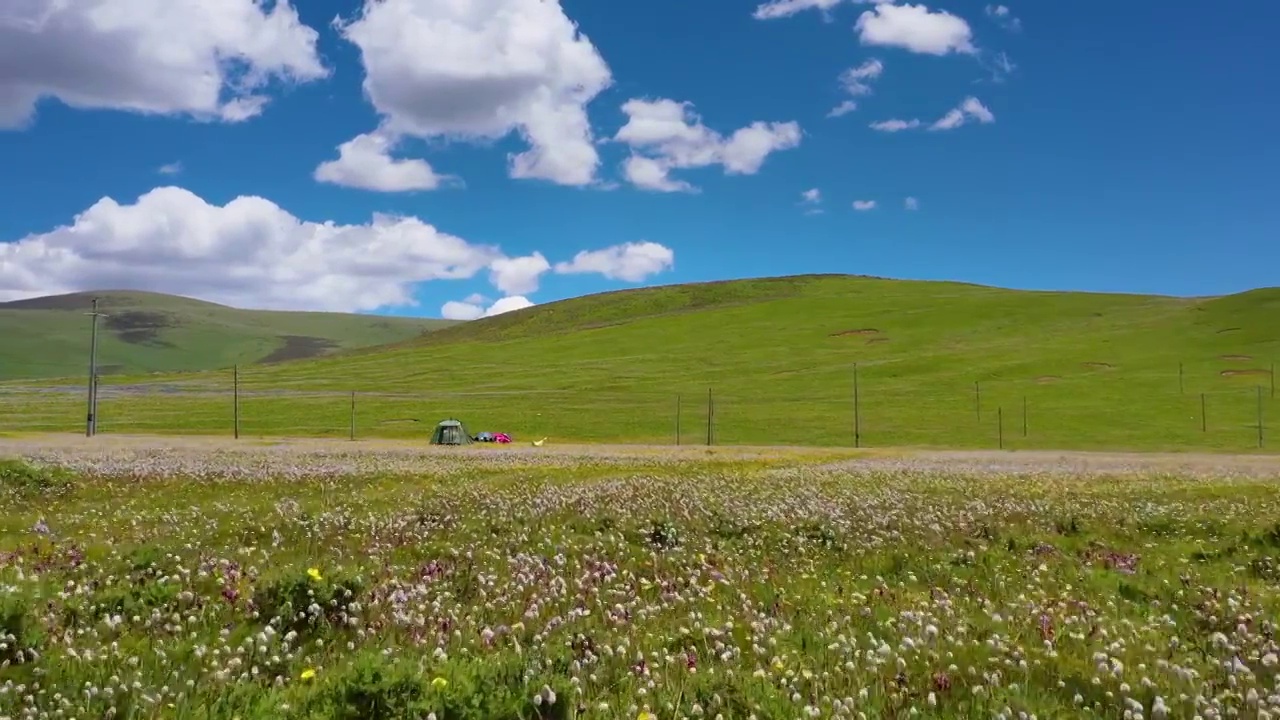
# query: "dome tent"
{"type": "Point", "coordinates": [450, 432]}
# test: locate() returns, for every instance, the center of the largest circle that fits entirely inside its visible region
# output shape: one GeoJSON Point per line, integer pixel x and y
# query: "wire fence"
{"type": "Point", "coordinates": [874, 408]}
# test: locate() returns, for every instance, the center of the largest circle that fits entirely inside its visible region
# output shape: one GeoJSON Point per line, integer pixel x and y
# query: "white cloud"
{"type": "Point", "coordinates": [508, 304]}
{"type": "Point", "coordinates": [172, 168]}
{"type": "Point", "coordinates": [479, 71]}
{"type": "Point", "coordinates": [651, 174]}
{"type": "Point", "coordinates": [864, 205]}
{"type": "Point", "coordinates": [969, 108]}
{"type": "Point", "coordinates": [454, 310]}
{"type": "Point", "coordinates": [895, 125]}
{"type": "Point", "coordinates": [775, 9]}
{"type": "Point", "coordinates": [811, 200]}
{"type": "Point", "coordinates": [856, 82]}
{"type": "Point", "coordinates": [665, 135]}
{"type": "Point", "coordinates": [915, 28]}
{"type": "Point", "coordinates": [248, 253]}
{"type": "Point", "coordinates": [786, 8]}
{"type": "Point", "coordinates": [911, 203]}
{"type": "Point", "coordinates": [844, 108]}
{"type": "Point", "coordinates": [1004, 17]}
{"type": "Point", "coordinates": [252, 253]}
{"type": "Point", "coordinates": [468, 310]}
{"type": "Point", "coordinates": [365, 162]}
{"type": "Point", "coordinates": [632, 262]}
{"type": "Point", "coordinates": [209, 60]}
{"type": "Point", "coordinates": [518, 275]}
{"type": "Point", "coordinates": [999, 65]}
{"type": "Point", "coordinates": [855, 79]}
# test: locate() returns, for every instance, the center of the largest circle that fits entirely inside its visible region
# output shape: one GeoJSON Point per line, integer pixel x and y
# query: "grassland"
{"type": "Point", "coordinates": [939, 365]}
{"type": "Point", "coordinates": [151, 332]}
{"type": "Point", "coordinates": [218, 581]}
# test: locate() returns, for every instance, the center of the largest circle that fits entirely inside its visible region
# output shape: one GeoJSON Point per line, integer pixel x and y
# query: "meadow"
{"type": "Point", "coordinates": [193, 578]}
{"type": "Point", "coordinates": [938, 364]}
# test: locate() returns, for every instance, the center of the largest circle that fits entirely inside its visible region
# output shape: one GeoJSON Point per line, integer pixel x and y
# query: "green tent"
{"type": "Point", "coordinates": [450, 432]}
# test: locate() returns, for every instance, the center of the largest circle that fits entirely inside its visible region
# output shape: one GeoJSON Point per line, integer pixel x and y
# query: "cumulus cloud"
{"type": "Point", "coordinates": [252, 253]}
{"type": "Point", "coordinates": [864, 205]}
{"type": "Point", "coordinates": [969, 109]}
{"type": "Point", "coordinates": [632, 262]}
{"type": "Point", "coordinates": [518, 275]}
{"type": "Point", "coordinates": [911, 203]}
{"type": "Point", "coordinates": [469, 310]}
{"type": "Point", "coordinates": [915, 28]}
{"type": "Point", "coordinates": [479, 71]}
{"type": "Point", "coordinates": [665, 135]}
{"type": "Point", "coordinates": [172, 168]}
{"type": "Point", "coordinates": [365, 162]}
{"type": "Point", "coordinates": [209, 60]}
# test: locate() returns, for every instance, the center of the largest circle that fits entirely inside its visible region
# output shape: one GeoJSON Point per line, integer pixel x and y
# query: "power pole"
{"type": "Point", "coordinates": [91, 419]}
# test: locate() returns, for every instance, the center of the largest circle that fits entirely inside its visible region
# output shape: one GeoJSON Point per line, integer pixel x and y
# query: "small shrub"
{"type": "Point", "coordinates": [303, 603]}
{"type": "Point", "coordinates": [663, 534]}
{"type": "Point", "coordinates": [22, 478]}
{"type": "Point", "coordinates": [375, 686]}
{"type": "Point", "coordinates": [17, 631]}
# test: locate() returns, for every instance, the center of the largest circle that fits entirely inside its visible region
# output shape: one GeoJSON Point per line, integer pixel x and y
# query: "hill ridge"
{"type": "Point", "coordinates": [147, 332]}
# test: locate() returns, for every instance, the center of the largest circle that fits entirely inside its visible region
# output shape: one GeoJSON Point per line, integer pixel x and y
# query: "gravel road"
{"type": "Point", "coordinates": [338, 456]}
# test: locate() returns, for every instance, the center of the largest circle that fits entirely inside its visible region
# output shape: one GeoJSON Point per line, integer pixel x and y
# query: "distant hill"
{"type": "Point", "coordinates": [941, 364]}
{"type": "Point", "coordinates": [147, 332]}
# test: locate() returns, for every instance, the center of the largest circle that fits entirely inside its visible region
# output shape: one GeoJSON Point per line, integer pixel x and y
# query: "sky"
{"type": "Point", "coordinates": [447, 158]}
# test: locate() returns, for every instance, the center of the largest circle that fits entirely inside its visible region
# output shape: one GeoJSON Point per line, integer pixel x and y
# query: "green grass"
{"type": "Point", "coordinates": [1094, 370]}
{"type": "Point", "coordinates": [477, 588]}
{"type": "Point", "coordinates": [151, 332]}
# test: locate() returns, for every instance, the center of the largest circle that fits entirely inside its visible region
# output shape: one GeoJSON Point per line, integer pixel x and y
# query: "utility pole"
{"type": "Point", "coordinates": [91, 419]}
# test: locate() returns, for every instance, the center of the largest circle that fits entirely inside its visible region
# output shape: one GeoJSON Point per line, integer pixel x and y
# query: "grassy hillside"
{"type": "Point", "coordinates": [148, 332]}
{"type": "Point", "coordinates": [1094, 371]}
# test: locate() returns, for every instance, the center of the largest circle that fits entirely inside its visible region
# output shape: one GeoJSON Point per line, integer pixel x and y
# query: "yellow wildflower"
{"type": "Point", "coordinates": [439, 683]}
{"type": "Point", "coordinates": [308, 674]}
{"type": "Point", "coordinates": [314, 573]}
{"type": "Point", "coordinates": [646, 715]}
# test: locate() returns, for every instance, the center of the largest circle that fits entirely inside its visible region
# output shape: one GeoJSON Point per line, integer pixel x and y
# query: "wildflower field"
{"type": "Point", "coordinates": [188, 579]}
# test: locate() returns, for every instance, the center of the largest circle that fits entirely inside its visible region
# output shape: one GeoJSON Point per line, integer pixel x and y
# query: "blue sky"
{"type": "Point", "coordinates": [1127, 148]}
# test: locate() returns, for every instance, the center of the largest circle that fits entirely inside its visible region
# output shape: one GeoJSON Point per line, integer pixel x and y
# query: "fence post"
{"type": "Point", "coordinates": [235, 400]}
{"type": "Point", "coordinates": [1024, 416]}
{"type": "Point", "coordinates": [1000, 425]}
{"type": "Point", "coordinates": [1204, 421]}
{"type": "Point", "coordinates": [711, 413]}
{"type": "Point", "coordinates": [677, 419]}
{"type": "Point", "coordinates": [977, 399]}
{"type": "Point", "coordinates": [1181, 386]}
{"type": "Point", "coordinates": [353, 414]}
{"type": "Point", "coordinates": [1259, 416]}
{"type": "Point", "coordinates": [857, 412]}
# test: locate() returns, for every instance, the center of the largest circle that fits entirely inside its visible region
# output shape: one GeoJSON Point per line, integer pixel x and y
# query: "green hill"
{"type": "Point", "coordinates": [148, 332]}
{"type": "Point", "coordinates": [939, 364]}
